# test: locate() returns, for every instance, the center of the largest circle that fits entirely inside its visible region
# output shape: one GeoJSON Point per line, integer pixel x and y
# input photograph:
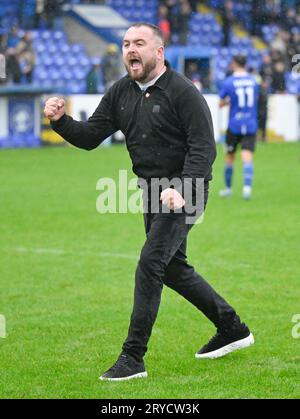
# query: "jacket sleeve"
{"type": "Point", "coordinates": [88, 135]}
{"type": "Point", "coordinates": [195, 117]}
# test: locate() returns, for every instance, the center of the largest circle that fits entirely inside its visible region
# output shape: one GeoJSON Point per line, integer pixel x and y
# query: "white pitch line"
{"type": "Point", "coordinates": [42, 250]}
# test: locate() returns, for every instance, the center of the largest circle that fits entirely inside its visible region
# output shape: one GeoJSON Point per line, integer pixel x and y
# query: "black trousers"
{"type": "Point", "coordinates": [163, 261]}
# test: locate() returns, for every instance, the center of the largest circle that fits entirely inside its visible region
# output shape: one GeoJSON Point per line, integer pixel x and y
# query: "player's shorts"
{"type": "Point", "coordinates": [233, 140]}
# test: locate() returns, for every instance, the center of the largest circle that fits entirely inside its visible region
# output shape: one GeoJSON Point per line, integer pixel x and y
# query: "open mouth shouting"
{"type": "Point", "coordinates": [135, 64]}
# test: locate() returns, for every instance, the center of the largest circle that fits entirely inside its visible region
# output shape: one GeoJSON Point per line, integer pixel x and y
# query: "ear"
{"type": "Point", "coordinates": [160, 52]}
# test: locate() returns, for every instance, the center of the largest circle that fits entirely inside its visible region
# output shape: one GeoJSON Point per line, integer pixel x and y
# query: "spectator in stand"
{"type": "Point", "coordinates": [194, 4]}
{"type": "Point", "coordinates": [262, 106]}
{"type": "Point", "coordinates": [13, 37]}
{"type": "Point", "coordinates": [13, 70]}
{"type": "Point", "coordinates": [3, 42]}
{"type": "Point", "coordinates": [256, 17]}
{"type": "Point", "coordinates": [228, 20]}
{"type": "Point", "coordinates": [209, 83]}
{"type": "Point", "coordinates": [183, 20]}
{"type": "Point", "coordinates": [111, 65]}
{"type": "Point", "coordinates": [293, 49]}
{"type": "Point", "coordinates": [263, 111]}
{"type": "Point", "coordinates": [26, 56]}
{"type": "Point", "coordinates": [172, 15]}
{"type": "Point", "coordinates": [26, 14]}
{"type": "Point", "coordinates": [255, 73]}
{"type": "Point", "coordinates": [94, 78]}
{"type": "Point", "coordinates": [275, 55]}
{"type": "Point", "coordinates": [278, 78]}
{"type": "Point", "coordinates": [192, 72]}
{"type": "Point", "coordinates": [280, 41]}
{"type": "Point", "coordinates": [53, 10]}
{"type": "Point", "coordinates": [12, 64]}
{"type": "Point", "coordinates": [163, 23]}
{"type": "Point", "coordinates": [271, 11]}
{"type": "Point", "coordinates": [2, 58]}
{"type": "Point", "coordinates": [289, 19]}
{"type": "Point", "coordinates": [39, 13]}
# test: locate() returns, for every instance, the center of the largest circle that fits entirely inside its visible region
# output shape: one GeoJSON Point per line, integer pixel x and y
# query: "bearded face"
{"type": "Point", "coordinates": [140, 69]}
{"type": "Point", "coordinates": [141, 53]}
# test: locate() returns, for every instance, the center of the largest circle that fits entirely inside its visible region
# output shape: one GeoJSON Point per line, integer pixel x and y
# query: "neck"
{"type": "Point", "coordinates": [161, 69]}
{"type": "Point", "coordinates": [240, 70]}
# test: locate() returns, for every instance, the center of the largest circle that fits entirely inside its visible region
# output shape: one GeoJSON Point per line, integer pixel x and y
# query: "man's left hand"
{"type": "Point", "coordinates": [172, 199]}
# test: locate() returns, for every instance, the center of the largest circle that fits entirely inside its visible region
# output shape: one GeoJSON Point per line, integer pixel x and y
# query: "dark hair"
{"type": "Point", "coordinates": [240, 60]}
{"type": "Point", "coordinates": [155, 29]}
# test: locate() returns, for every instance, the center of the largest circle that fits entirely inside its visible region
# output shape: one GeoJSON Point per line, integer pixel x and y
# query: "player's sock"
{"type": "Point", "coordinates": [228, 171]}
{"type": "Point", "coordinates": [248, 174]}
{"type": "Point", "coordinates": [248, 178]}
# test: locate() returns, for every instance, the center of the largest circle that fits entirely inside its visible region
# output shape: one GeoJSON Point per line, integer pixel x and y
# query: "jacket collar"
{"type": "Point", "coordinates": [162, 81]}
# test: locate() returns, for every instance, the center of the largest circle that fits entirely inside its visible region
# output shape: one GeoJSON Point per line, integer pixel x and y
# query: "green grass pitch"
{"type": "Point", "coordinates": [67, 276]}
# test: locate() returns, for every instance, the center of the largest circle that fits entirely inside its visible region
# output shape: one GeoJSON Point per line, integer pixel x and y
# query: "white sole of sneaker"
{"type": "Point", "coordinates": [234, 346]}
{"type": "Point", "coordinates": [139, 375]}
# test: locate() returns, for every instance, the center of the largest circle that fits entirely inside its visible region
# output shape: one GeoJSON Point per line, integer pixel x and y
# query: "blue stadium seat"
{"type": "Point", "coordinates": [222, 65]}
{"type": "Point", "coordinates": [52, 48]}
{"type": "Point", "coordinates": [58, 60]}
{"type": "Point", "coordinates": [59, 36]}
{"type": "Point", "coordinates": [193, 39]}
{"type": "Point", "coordinates": [77, 48]}
{"type": "Point", "coordinates": [76, 87]}
{"type": "Point", "coordinates": [40, 48]}
{"type": "Point", "coordinates": [204, 40]}
{"type": "Point", "coordinates": [80, 75]}
{"type": "Point", "coordinates": [224, 52]}
{"type": "Point", "coordinates": [46, 35]}
{"type": "Point", "coordinates": [65, 49]}
{"type": "Point", "coordinates": [295, 30]}
{"type": "Point", "coordinates": [71, 61]}
{"type": "Point", "coordinates": [95, 60]}
{"type": "Point", "coordinates": [293, 82]}
{"type": "Point", "coordinates": [220, 75]}
{"type": "Point", "coordinates": [195, 27]}
{"type": "Point", "coordinates": [54, 74]}
{"type": "Point", "coordinates": [67, 74]}
{"type": "Point", "coordinates": [175, 38]}
{"type": "Point", "coordinates": [233, 51]}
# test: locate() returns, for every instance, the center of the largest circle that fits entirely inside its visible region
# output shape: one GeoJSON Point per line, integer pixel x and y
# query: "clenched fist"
{"type": "Point", "coordinates": [172, 199]}
{"type": "Point", "coordinates": [54, 108]}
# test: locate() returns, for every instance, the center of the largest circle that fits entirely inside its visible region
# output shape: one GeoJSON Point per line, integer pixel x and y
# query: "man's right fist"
{"type": "Point", "coordinates": [54, 108]}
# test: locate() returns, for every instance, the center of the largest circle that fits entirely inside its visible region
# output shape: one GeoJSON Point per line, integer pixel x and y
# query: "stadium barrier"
{"type": "Point", "coordinates": [22, 123]}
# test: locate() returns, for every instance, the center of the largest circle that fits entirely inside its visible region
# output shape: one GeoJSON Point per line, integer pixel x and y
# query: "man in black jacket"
{"type": "Point", "coordinates": [169, 135]}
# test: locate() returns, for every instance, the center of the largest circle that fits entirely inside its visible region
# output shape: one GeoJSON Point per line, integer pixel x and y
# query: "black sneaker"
{"type": "Point", "coordinates": [226, 341]}
{"type": "Point", "coordinates": [124, 369]}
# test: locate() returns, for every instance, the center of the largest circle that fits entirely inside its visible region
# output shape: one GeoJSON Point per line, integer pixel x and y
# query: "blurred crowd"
{"type": "Point", "coordinates": [285, 13]}
{"type": "Point", "coordinates": [16, 46]}
{"type": "Point", "coordinates": [47, 12]}
{"type": "Point", "coordinates": [282, 57]}
{"type": "Point", "coordinates": [34, 14]}
{"type": "Point", "coordinates": [105, 71]}
{"type": "Point", "coordinates": [173, 18]}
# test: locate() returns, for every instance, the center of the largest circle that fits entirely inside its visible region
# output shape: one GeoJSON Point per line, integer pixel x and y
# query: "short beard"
{"type": "Point", "coordinates": [143, 77]}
